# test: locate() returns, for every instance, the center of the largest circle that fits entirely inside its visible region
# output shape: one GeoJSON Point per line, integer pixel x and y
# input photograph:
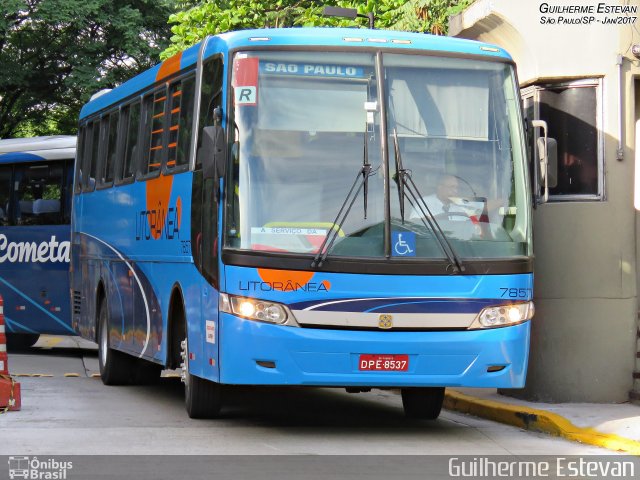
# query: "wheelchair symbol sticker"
{"type": "Point", "coordinates": [404, 244]}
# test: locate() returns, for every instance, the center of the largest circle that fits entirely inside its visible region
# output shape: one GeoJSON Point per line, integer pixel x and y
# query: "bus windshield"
{"type": "Point", "coordinates": [305, 124]}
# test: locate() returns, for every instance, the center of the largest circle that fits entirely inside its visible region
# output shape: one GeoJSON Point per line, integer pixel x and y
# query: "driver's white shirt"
{"type": "Point", "coordinates": [436, 206]}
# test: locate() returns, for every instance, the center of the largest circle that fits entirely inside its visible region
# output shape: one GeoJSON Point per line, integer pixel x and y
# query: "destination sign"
{"type": "Point", "coordinates": [311, 69]}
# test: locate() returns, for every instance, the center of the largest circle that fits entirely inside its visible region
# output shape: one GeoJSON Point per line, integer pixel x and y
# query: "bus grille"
{"type": "Point", "coordinates": [77, 302]}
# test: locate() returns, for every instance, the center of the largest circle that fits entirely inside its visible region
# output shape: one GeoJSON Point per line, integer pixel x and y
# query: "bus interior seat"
{"type": "Point", "coordinates": [25, 207]}
{"type": "Point", "coordinates": [45, 206]}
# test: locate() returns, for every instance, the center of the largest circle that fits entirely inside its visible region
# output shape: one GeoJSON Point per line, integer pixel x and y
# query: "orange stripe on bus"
{"type": "Point", "coordinates": [153, 149]}
{"type": "Point", "coordinates": [174, 128]}
{"type": "Point", "coordinates": [159, 99]}
{"type": "Point", "coordinates": [173, 145]}
{"type": "Point", "coordinates": [169, 66]}
{"type": "Point", "coordinates": [160, 115]}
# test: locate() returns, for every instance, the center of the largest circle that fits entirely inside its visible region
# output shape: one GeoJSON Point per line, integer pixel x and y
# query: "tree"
{"type": "Point", "coordinates": [211, 17]}
{"type": "Point", "coordinates": [430, 16]}
{"type": "Point", "coordinates": [56, 53]}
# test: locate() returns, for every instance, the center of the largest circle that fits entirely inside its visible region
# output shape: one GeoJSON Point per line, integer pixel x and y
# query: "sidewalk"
{"type": "Point", "coordinates": [612, 426]}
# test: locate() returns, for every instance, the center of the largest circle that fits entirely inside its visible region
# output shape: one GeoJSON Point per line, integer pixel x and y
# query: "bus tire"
{"type": "Point", "coordinates": [116, 368]}
{"type": "Point", "coordinates": [423, 403]}
{"type": "Point", "coordinates": [202, 398]}
{"type": "Point", "coordinates": [21, 341]}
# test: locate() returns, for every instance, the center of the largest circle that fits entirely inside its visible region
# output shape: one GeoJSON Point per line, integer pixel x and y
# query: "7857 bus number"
{"type": "Point", "coordinates": [516, 292]}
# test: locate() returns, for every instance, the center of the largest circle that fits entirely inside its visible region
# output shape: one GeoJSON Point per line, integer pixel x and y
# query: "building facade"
{"type": "Point", "coordinates": [578, 71]}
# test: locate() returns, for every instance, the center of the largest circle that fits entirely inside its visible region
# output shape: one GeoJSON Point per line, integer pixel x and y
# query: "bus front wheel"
{"type": "Point", "coordinates": [202, 398]}
{"type": "Point", "coordinates": [423, 403]}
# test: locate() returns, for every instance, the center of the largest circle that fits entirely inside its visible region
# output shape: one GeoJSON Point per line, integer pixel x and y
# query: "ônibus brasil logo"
{"type": "Point", "coordinates": [23, 252]}
{"type": "Point", "coordinates": [34, 469]}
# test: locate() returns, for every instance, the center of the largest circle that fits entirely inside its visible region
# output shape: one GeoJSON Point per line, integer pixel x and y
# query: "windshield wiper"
{"type": "Point", "coordinates": [361, 180]}
{"type": "Point", "coordinates": [405, 182]}
{"type": "Point", "coordinates": [365, 174]}
{"type": "Point", "coordinates": [399, 168]}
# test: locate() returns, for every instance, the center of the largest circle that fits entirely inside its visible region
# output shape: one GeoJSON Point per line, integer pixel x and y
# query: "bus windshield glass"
{"type": "Point", "coordinates": [304, 125]}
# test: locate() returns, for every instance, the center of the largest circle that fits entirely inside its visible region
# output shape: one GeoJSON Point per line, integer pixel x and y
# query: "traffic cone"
{"type": "Point", "coordinates": [9, 388]}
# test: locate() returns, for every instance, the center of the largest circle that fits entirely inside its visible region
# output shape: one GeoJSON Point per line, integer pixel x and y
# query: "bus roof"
{"type": "Point", "coordinates": [359, 37]}
{"type": "Point", "coordinates": [17, 150]}
{"type": "Point", "coordinates": [287, 37]}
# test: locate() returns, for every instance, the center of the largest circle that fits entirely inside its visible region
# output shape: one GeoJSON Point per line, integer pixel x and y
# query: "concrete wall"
{"type": "Point", "coordinates": [584, 332]}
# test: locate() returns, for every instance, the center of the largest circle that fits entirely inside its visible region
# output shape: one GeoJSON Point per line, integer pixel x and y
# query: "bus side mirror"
{"type": "Point", "coordinates": [548, 155]}
{"type": "Point", "coordinates": [214, 152]}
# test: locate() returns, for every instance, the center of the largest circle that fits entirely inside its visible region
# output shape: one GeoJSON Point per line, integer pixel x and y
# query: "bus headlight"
{"type": "Point", "coordinates": [254, 309]}
{"type": "Point", "coordinates": [503, 315]}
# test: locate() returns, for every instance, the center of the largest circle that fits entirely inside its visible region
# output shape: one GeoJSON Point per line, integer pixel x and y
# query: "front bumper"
{"type": "Point", "coordinates": [322, 357]}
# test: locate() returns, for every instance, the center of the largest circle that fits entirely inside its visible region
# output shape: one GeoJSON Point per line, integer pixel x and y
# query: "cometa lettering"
{"type": "Point", "coordinates": [24, 252]}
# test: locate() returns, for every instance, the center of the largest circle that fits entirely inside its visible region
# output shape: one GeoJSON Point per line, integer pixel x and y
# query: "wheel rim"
{"type": "Point", "coordinates": [104, 344]}
{"type": "Point", "coordinates": [184, 366]}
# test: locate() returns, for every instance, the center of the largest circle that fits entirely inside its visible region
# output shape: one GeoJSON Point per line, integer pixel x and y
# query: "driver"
{"type": "Point", "coordinates": [440, 203]}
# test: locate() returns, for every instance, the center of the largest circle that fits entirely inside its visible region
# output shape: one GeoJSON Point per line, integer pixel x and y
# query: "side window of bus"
{"type": "Point", "coordinates": [204, 208]}
{"type": "Point", "coordinates": [154, 132]}
{"type": "Point", "coordinates": [131, 119]}
{"type": "Point", "coordinates": [38, 193]}
{"type": "Point", "coordinates": [66, 191]}
{"type": "Point", "coordinates": [181, 96]}
{"type": "Point", "coordinates": [86, 155]}
{"type": "Point", "coordinates": [90, 162]}
{"type": "Point", "coordinates": [5, 193]}
{"type": "Point", "coordinates": [210, 98]}
{"type": "Point", "coordinates": [79, 159]}
{"type": "Point", "coordinates": [108, 159]}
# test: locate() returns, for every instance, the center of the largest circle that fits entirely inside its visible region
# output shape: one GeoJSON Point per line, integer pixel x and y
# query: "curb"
{"type": "Point", "coordinates": [538, 421]}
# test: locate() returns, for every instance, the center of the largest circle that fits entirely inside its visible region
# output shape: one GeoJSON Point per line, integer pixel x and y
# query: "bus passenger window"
{"type": "Point", "coordinates": [80, 159]}
{"type": "Point", "coordinates": [39, 194]}
{"type": "Point", "coordinates": [181, 96]}
{"type": "Point", "coordinates": [66, 191]}
{"type": "Point", "coordinates": [154, 107]}
{"type": "Point", "coordinates": [5, 194]}
{"type": "Point", "coordinates": [211, 96]}
{"type": "Point", "coordinates": [86, 156]}
{"type": "Point", "coordinates": [132, 115]}
{"type": "Point", "coordinates": [107, 174]}
{"type": "Point", "coordinates": [90, 163]}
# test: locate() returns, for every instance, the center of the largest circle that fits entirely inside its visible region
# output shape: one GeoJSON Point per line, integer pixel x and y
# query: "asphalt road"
{"type": "Point", "coordinates": [78, 415]}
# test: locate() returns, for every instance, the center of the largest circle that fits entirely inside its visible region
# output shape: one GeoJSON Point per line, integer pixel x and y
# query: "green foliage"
{"type": "Point", "coordinates": [211, 17]}
{"type": "Point", "coordinates": [429, 16]}
{"type": "Point", "coordinates": [56, 53]}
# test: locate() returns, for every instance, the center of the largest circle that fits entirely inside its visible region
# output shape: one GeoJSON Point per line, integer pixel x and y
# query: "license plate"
{"type": "Point", "coordinates": [384, 363]}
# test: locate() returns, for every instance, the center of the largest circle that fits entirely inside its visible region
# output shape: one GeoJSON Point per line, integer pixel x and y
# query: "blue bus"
{"type": "Point", "coordinates": [35, 211]}
{"type": "Point", "coordinates": [322, 207]}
